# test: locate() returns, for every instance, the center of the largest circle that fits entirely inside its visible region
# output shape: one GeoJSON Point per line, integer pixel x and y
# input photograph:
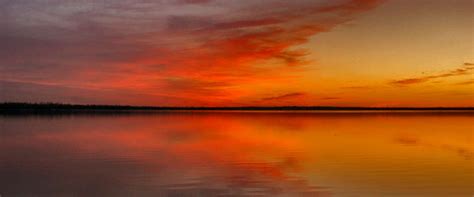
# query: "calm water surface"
{"type": "Point", "coordinates": [238, 154]}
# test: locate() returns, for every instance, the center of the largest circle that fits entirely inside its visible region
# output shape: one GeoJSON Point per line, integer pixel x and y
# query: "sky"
{"type": "Point", "coordinates": [372, 53]}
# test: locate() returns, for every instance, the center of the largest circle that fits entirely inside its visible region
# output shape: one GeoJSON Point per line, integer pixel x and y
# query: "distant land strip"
{"type": "Point", "coordinates": [10, 107]}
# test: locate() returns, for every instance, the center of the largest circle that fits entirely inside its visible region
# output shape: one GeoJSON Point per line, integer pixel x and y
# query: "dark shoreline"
{"type": "Point", "coordinates": [19, 108]}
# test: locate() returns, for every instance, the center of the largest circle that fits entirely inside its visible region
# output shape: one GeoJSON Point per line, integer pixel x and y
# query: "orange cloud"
{"type": "Point", "coordinates": [286, 96]}
{"type": "Point", "coordinates": [469, 82]}
{"type": "Point", "coordinates": [331, 98]}
{"type": "Point", "coordinates": [464, 70]}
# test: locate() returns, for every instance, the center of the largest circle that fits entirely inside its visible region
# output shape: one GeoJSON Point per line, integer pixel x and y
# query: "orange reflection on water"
{"type": "Point", "coordinates": [242, 154]}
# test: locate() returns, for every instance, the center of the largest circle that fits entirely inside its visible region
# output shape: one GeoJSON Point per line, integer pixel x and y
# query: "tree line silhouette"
{"type": "Point", "coordinates": [14, 107]}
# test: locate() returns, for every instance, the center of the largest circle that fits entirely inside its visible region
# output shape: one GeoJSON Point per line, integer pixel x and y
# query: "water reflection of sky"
{"type": "Point", "coordinates": [238, 154]}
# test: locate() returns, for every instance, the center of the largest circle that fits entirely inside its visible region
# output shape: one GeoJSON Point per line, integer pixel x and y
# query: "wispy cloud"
{"type": "Point", "coordinates": [463, 70]}
{"type": "Point", "coordinates": [361, 87]}
{"type": "Point", "coordinates": [330, 98]}
{"type": "Point", "coordinates": [469, 82]}
{"type": "Point", "coordinates": [285, 96]}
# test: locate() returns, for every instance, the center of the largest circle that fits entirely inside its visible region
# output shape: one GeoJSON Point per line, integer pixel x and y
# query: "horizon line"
{"type": "Point", "coordinates": [68, 106]}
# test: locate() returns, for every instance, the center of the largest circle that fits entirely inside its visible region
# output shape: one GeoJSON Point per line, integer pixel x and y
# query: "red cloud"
{"type": "Point", "coordinates": [206, 52]}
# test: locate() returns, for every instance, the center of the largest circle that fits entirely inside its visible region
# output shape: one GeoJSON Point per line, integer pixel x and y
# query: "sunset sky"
{"type": "Point", "coordinates": [238, 52]}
